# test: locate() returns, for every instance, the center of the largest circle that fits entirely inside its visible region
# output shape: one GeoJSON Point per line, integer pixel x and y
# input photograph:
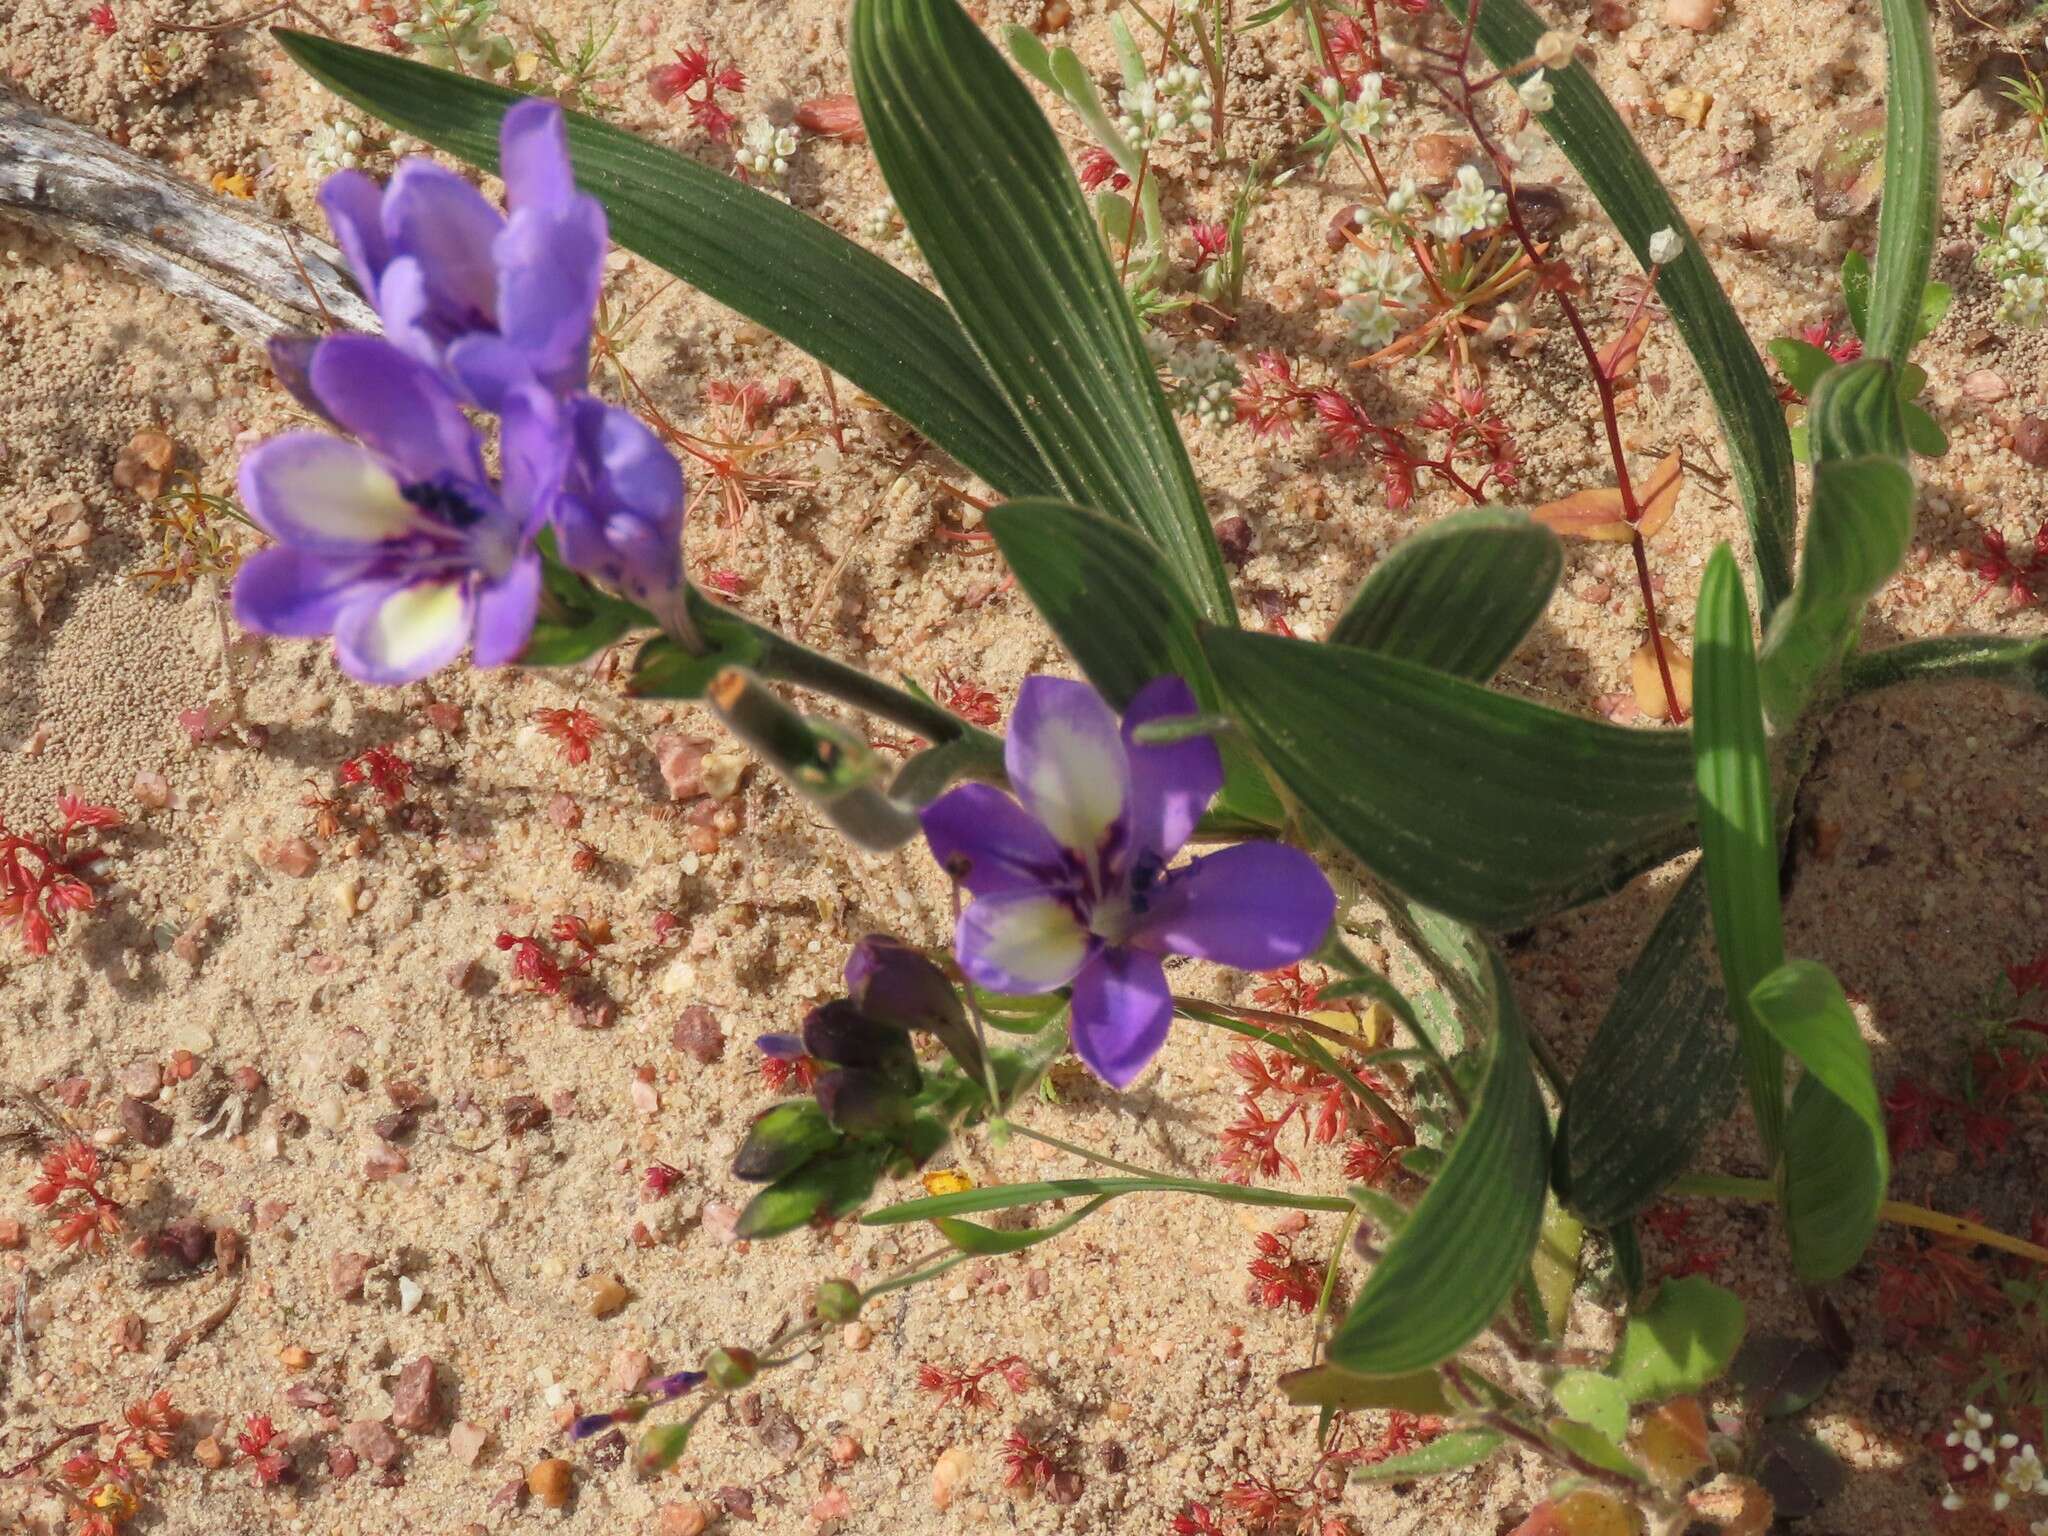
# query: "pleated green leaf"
{"type": "Point", "coordinates": [1659, 1075]}
{"type": "Point", "coordinates": [1459, 595]}
{"type": "Point", "coordinates": [754, 253]}
{"type": "Point", "coordinates": [1910, 212]}
{"type": "Point", "coordinates": [1489, 809]}
{"type": "Point", "coordinates": [1837, 1157]}
{"type": "Point", "coordinates": [1857, 531]}
{"type": "Point", "coordinates": [1467, 1243]}
{"type": "Point", "coordinates": [1454, 1452]}
{"type": "Point", "coordinates": [987, 190]}
{"type": "Point", "coordinates": [1101, 589]}
{"type": "Point", "coordinates": [1603, 151]}
{"type": "Point", "coordinates": [1738, 837]}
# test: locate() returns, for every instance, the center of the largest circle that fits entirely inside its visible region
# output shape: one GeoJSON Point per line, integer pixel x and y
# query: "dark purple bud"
{"type": "Point", "coordinates": [781, 1047]}
{"type": "Point", "coordinates": [667, 1388]}
{"type": "Point", "coordinates": [591, 1424]}
{"type": "Point", "coordinates": [862, 1103]}
{"type": "Point", "coordinates": [896, 983]}
{"type": "Point", "coordinates": [840, 1033]}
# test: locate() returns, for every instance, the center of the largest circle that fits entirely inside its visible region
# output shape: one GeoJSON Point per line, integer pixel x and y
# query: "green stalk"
{"type": "Point", "coordinates": [2021, 664]}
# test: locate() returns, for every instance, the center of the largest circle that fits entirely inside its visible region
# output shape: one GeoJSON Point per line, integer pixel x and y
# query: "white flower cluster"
{"type": "Point", "coordinates": [1975, 1435]}
{"type": "Point", "coordinates": [1404, 212]}
{"type": "Point", "coordinates": [451, 32]}
{"type": "Point", "coordinates": [1161, 105]}
{"type": "Point", "coordinates": [1470, 206]}
{"type": "Point", "coordinates": [336, 145]}
{"type": "Point", "coordinates": [1366, 113]}
{"type": "Point", "coordinates": [764, 150]}
{"type": "Point", "coordinates": [1377, 290]}
{"type": "Point", "coordinates": [2017, 255]}
{"type": "Point", "coordinates": [1199, 378]}
{"type": "Point", "coordinates": [879, 222]}
{"type": "Point", "coordinates": [1537, 93]}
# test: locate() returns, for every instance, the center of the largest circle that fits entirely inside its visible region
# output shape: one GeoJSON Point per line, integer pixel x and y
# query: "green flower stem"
{"type": "Point", "coordinates": [2021, 664]}
{"type": "Point", "coordinates": [1102, 1159]}
{"type": "Point", "coordinates": [1328, 1294]}
{"type": "Point", "coordinates": [1716, 1186]}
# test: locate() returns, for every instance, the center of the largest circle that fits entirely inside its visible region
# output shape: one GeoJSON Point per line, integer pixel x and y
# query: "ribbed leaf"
{"type": "Point", "coordinates": [986, 188]}
{"type": "Point", "coordinates": [1659, 1074]}
{"type": "Point", "coordinates": [1101, 589]}
{"type": "Point", "coordinates": [1467, 1243]}
{"type": "Point", "coordinates": [1857, 531]}
{"type": "Point", "coordinates": [1459, 595]}
{"type": "Point", "coordinates": [1738, 838]}
{"type": "Point", "coordinates": [1490, 809]}
{"type": "Point", "coordinates": [972, 1237]}
{"type": "Point", "coordinates": [845, 306]}
{"type": "Point", "coordinates": [1911, 210]}
{"type": "Point", "coordinates": [1004, 1197]}
{"type": "Point", "coordinates": [1604, 152]}
{"type": "Point", "coordinates": [1837, 1158]}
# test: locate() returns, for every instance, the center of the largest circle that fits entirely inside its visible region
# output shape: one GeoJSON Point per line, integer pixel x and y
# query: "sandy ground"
{"type": "Point", "coordinates": [375, 964]}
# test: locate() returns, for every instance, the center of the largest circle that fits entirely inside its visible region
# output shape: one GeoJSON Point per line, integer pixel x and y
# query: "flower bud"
{"type": "Point", "coordinates": [732, 1368]}
{"type": "Point", "coordinates": [862, 1103]}
{"type": "Point", "coordinates": [781, 1140]}
{"type": "Point", "coordinates": [837, 1301]}
{"type": "Point", "coordinates": [661, 1444]}
{"type": "Point", "coordinates": [841, 1034]}
{"type": "Point", "coordinates": [894, 982]}
{"type": "Point", "coordinates": [1554, 49]}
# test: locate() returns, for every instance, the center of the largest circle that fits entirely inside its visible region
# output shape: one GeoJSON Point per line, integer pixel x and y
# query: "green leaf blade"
{"type": "Point", "coordinates": [1454, 1452]}
{"type": "Point", "coordinates": [1681, 1340]}
{"type": "Point", "coordinates": [1460, 595]}
{"type": "Point", "coordinates": [1910, 213]}
{"type": "Point", "coordinates": [1659, 1075]}
{"type": "Point", "coordinates": [983, 184]}
{"type": "Point", "coordinates": [837, 301]}
{"type": "Point", "coordinates": [1738, 832]}
{"type": "Point", "coordinates": [1490, 809]}
{"type": "Point", "coordinates": [1467, 1243]}
{"type": "Point", "coordinates": [1837, 1154]}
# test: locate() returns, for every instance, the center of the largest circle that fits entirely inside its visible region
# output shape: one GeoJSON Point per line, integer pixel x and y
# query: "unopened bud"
{"type": "Point", "coordinates": [837, 1301]}
{"type": "Point", "coordinates": [1554, 50]}
{"type": "Point", "coordinates": [732, 1368]}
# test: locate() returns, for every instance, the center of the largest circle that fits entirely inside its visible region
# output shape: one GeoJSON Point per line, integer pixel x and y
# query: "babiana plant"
{"type": "Point", "coordinates": [1377, 766]}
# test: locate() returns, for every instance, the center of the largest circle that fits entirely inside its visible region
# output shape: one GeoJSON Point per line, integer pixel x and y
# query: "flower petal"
{"type": "Point", "coordinates": [1020, 941]}
{"type": "Point", "coordinates": [989, 843]}
{"type": "Point", "coordinates": [550, 266]}
{"type": "Point", "coordinates": [434, 215]}
{"type": "Point", "coordinates": [1172, 783]}
{"type": "Point", "coordinates": [283, 591]}
{"type": "Point", "coordinates": [1122, 1012]}
{"type": "Point", "coordinates": [505, 610]}
{"type": "Point", "coordinates": [621, 516]}
{"type": "Point", "coordinates": [533, 155]}
{"type": "Point", "coordinates": [1066, 761]}
{"type": "Point", "coordinates": [406, 305]}
{"type": "Point", "coordinates": [1254, 906]}
{"type": "Point", "coordinates": [487, 368]}
{"type": "Point", "coordinates": [402, 632]}
{"type": "Point", "coordinates": [535, 452]}
{"type": "Point", "coordinates": [398, 407]}
{"type": "Point", "coordinates": [323, 494]}
{"type": "Point", "coordinates": [354, 205]}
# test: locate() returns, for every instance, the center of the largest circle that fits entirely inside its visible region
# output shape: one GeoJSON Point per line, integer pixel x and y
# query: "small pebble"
{"type": "Point", "coordinates": [550, 1481]}
{"type": "Point", "coordinates": [602, 1295]}
{"type": "Point", "coordinates": [948, 1472]}
{"type": "Point", "coordinates": [295, 1357]}
{"type": "Point", "coordinates": [145, 1123]}
{"type": "Point", "coordinates": [1693, 15]}
{"type": "Point", "coordinates": [416, 1400]}
{"type": "Point", "coordinates": [372, 1440]}
{"type": "Point", "coordinates": [345, 1274]}
{"type": "Point", "coordinates": [466, 1441]}
{"type": "Point", "coordinates": [686, 1519]}
{"type": "Point", "coordinates": [699, 1035]}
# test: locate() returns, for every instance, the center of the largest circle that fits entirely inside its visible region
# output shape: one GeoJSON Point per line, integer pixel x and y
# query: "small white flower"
{"type": "Point", "coordinates": [2024, 1474]}
{"type": "Point", "coordinates": [1537, 93]}
{"type": "Point", "coordinates": [1158, 107]}
{"type": "Point", "coordinates": [1554, 50]}
{"type": "Point", "coordinates": [1370, 323]}
{"type": "Point", "coordinates": [764, 150]}
{"type": "Point", "coordinates": [1470, 206]}
{"type": "Point", "coordinates": [879, 222]}
{"type": "Point", "coordinates": [1366, 113]}
{"type": "Point", "coordinates": [336, 145]}
{"type": "Point", "coordinates": [1200, 378]}
{"type": "Point", "coordinates": [1666, 246]}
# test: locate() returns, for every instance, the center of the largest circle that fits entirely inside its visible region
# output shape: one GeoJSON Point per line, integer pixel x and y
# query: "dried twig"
{"type": "Point", "coordinates": [202, 1330]}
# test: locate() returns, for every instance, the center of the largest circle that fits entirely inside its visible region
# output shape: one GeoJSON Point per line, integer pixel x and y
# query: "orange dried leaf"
{"type": "Point", "coordinates": [832, 117]}
{"type": "Point", "coordinates": [1586, 515]}
{"type": "Point", "coordinates": [1649, 680]}
{"type": "Point", "coordinates": [1659, 498]}
{"type": "Point", "coordinates": [1673, 1443]}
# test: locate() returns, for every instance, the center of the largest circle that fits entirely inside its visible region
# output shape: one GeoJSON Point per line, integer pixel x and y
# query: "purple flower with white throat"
{"type": "Point", "coordinates": [495, 300]}
{"type": "Point", "coordinates": [398, 545]}
{"type": "Point", "coordinates": [1072, 885]}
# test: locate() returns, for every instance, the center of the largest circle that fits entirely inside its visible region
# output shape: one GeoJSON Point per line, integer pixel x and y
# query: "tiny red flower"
{"type": "Point", "coordinates": [575, 729]}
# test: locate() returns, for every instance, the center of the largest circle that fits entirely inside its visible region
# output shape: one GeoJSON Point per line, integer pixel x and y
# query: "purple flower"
{"type": "Point", "coordinates": [620, 515]}
{"type": "Point", "coordinates": [399, 546]}
{"type": "Point", "coordinates": [494, 300]}
{"type": "Point", "coordinates": [1073, 886]}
